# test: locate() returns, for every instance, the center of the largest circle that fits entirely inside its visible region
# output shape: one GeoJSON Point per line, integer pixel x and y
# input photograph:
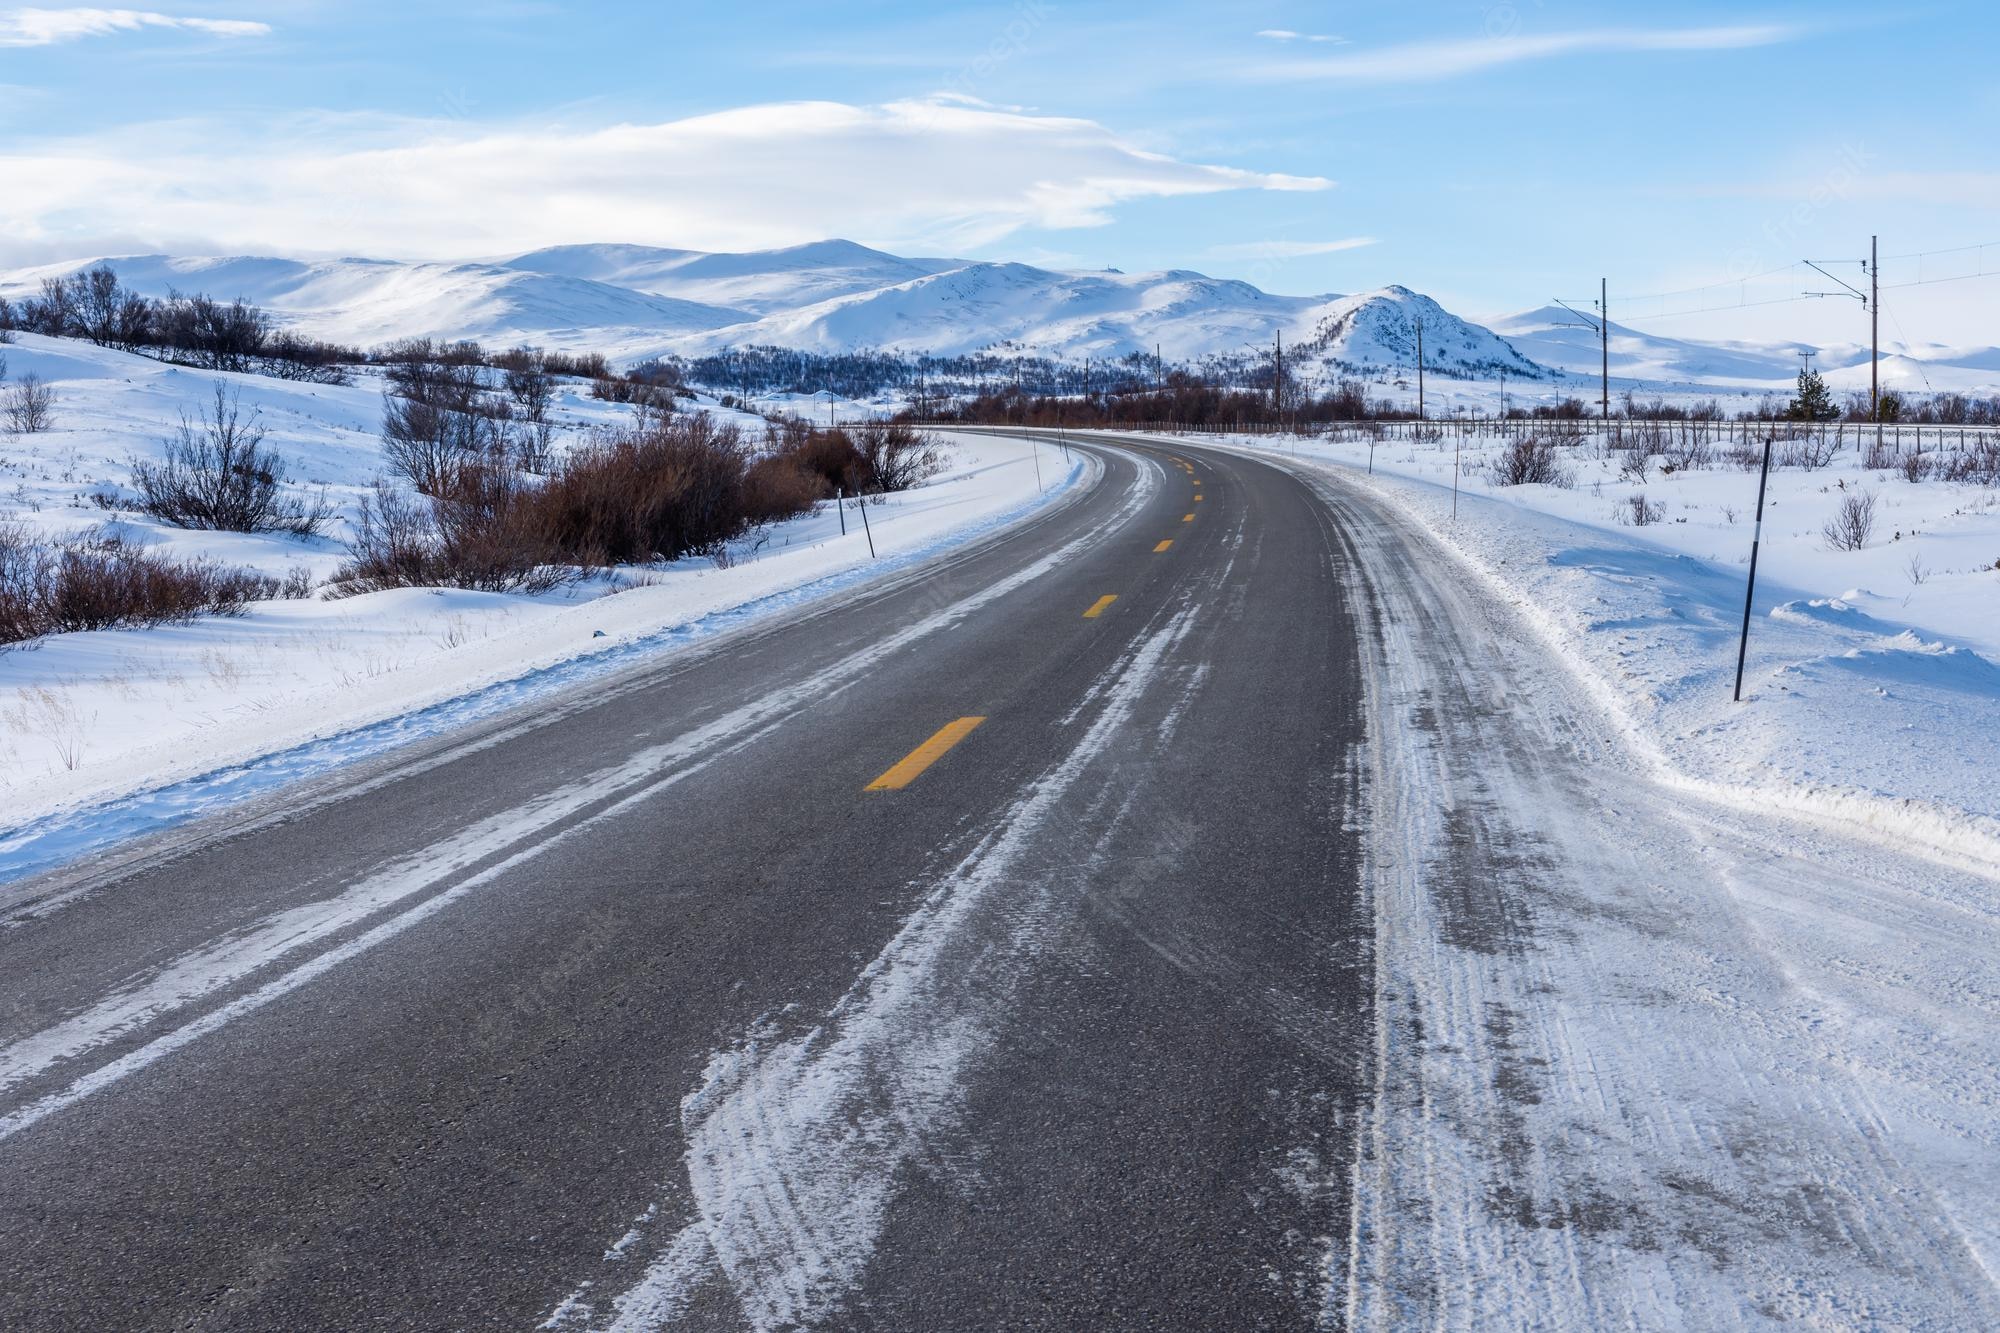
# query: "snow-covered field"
{"type": "Point", "coordinates": [198, 715]}
{"type": "Point", "coordinates": [1872, 694]}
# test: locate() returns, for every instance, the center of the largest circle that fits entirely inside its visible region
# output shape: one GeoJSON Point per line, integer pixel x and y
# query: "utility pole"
{"type": "Point", "coordinates": [1875, 336]}
{"type": "Point", "coordinates": [1604, 339]}
{"type": "Point", "coordinates": [1601, 326]}
{"type": "Point", "coordinates": [1420, 368]}
{"type": "Point", "coordinates": [1278, 383]}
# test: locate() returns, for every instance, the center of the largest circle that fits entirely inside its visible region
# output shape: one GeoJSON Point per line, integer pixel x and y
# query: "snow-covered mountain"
{"type": "Point", "coordinates": [636, 301]}
{"type": "Point", "coordinates": [633, 301]}
{"type": "Point", "coordinates": [759, 282]}
{"type": "Point", "coordinates": [1380, 329]}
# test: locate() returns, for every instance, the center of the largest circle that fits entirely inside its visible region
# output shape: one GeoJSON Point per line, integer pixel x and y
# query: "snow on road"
{"type": "Point", "coordinates": [1644, 1061]}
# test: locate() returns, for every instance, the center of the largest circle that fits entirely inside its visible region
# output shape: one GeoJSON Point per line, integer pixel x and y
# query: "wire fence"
{"type": "Point", "coordinates": [1623, 432]}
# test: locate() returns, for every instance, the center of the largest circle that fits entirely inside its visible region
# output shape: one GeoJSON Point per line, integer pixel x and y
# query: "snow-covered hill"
{"type": "Point", "coordinates": [754, 284]}
{"type": "Point", "coordinates": [371, 301]}
{"type": "Point", "coordinates": [1379, 329]}
{"type": "Point", "coordinates": [1555, 337]}
{"type": "Point", "coordinates": [632, 301]}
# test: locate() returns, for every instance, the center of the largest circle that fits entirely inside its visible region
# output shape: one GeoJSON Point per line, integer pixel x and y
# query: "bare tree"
{"type": "Point", "coordinates": [29, 406]}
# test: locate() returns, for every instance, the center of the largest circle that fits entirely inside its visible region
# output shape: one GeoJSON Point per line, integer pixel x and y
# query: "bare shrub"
{"type": "Point", "coordinates": [1809, 450]}
{"type": "Point", "coordinates": [1688, 449]}
{"type": "Point", "coordinates": [427, 444]}
{"type": "Point", "coordinates": [218, 476]}
{"type": "Point", "coordinates": [1639, 512]}
{"type": "Point", "coordinates": [777, 488]}
{"type": "Point", "coordinates": [829, 455]}
{"type": "Point", "coordinates": [30, 406]}
{"type": "Point", "coordinates": [95, 581]}
{"type": "Point", "coordinates": [1978, 463]}
{"type": "Point", "coordinates": [1531, 461]}
{"type": "Point", "coordinates": [1918, 466]}
{"type": "Point", "coordinates": [481, 534]}
{"type": "Point", "coordinates": [896, 457]}
{"type": "Point", "coordinates": [529, 382]}
{"type": "Point", "coordinates": [672, 489]}
{"type": "Point", "coordinates": [1851, 527]}
{"type": "Point", "coordinates": [681, 486]}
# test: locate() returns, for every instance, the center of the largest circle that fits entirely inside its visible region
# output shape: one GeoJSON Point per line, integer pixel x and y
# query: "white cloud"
{"type": "Point", "coordinates": [939, 174]}
{"type": "Point", "coordinates": [1287, 35]}
{"type": "Point", "coordinates": [46, 27]}
{"type": "Point", "coordinates": [1289, 249]}
{"type": "Point", "coordinates": [1419, 61]}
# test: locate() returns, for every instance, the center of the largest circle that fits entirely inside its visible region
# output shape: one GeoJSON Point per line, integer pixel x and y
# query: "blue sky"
{"type": "Point", "coordinates": [1495, 155]}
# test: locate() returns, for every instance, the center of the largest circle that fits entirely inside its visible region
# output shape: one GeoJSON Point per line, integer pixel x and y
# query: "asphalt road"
{"type": "Point", "coordinates": [761, 987]}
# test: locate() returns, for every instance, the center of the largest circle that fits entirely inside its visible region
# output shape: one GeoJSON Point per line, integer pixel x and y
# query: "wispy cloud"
{"type": "Point", "coordinates": [1287, 35]}
{"type": "Point", "coordinates": [932, 173]}
{"type": "Point", "coordinates": [1289, 249]}
{"type": "Point", "coordinates": [1420, 61]}
{"type": "Point", "coordinates": [47, 27]}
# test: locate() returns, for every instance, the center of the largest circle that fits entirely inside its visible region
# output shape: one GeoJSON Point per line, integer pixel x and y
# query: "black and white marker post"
{"type": "Point", "coordinates": [1756, 540]}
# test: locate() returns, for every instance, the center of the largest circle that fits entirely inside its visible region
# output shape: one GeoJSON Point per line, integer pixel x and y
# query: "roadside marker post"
{"type": "Point", "coordinates": [1756, 540]}
{"type": "Point", "coordinates": [862, 503]}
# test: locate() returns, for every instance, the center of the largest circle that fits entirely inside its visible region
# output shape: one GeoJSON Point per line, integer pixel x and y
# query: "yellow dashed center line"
{"type": "Point", "coordinates": [1163, 546]}
{"type": "Point", "coordinates": [1100, 606]}
{"type": "Point", "coordinates": [1197, 499]}
{"type": "Point", "coordinates": [1188, 519]}
{"type": "Point", "coordinates": [921, 758]}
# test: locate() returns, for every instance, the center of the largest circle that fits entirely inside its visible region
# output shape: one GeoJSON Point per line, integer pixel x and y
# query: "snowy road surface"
{"type": "Point", "coordinates": [1196, 906]}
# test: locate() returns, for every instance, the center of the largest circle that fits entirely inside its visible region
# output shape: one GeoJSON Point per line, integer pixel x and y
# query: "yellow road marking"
{"type": "Point", "coordinates": [1100, 606]}
{"type": "Point", "coordinates": [1197, 499]}
{"type": "Point", "coordinates": [1163, 546]}
{"type": "Point", "coordinates": [1188, 519]}
{"type": "Point", "coordinates": [921, 758]}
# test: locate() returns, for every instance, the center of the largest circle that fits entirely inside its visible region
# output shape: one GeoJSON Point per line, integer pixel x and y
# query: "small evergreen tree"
{"type": "Point", "coordinates": [1814, 401]}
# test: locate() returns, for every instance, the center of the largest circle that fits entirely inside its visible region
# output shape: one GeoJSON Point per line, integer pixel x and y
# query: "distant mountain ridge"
{"type": "Point", "coordinates": [633, 301]}
{"type": "Point", "coordinates": [636, 301]}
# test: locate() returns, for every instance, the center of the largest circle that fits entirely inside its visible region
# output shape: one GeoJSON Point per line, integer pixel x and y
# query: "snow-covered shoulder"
{"type": "Point", "coordinates": [1872, 689]}
{"type": "Point", "coordinates": [109, 733]}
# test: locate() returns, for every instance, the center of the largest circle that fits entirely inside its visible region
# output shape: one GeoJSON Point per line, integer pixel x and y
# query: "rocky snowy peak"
{"type": "Point", "coordinates": [1379, 329]}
